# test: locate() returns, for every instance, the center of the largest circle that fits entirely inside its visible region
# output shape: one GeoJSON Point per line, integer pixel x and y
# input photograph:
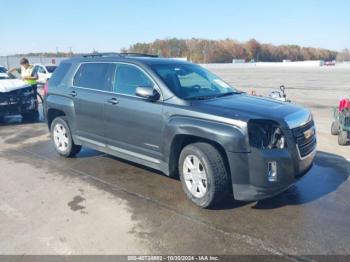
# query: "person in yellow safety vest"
{"type": "Point", "coordinates": [27, 73]}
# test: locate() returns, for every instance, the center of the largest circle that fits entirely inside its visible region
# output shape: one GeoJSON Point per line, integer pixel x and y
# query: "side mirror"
{"type": "Point", "coordinates": [148, 93]}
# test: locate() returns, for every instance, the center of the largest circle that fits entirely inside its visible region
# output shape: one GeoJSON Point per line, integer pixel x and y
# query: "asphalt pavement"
{"type": "Point", "coordinates": [98, 204]}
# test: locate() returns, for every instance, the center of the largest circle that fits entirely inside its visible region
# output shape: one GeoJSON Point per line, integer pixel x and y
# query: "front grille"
{"type": "Point", "coordinates": [14, 97]}
{"type": "Point", "coordinates": [305, 145]}
{"type": "Point", "coordinates": [10, 97]}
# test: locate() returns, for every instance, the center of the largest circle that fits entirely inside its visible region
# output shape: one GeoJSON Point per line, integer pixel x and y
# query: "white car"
{"type": "Point", "coordinates": [44, 72]}
{"type": "Point", "coordinates": [17, 97]}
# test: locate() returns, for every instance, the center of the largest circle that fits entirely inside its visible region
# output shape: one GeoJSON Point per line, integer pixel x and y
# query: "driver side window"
{"type": "Point", "coordinates": [128, 78]}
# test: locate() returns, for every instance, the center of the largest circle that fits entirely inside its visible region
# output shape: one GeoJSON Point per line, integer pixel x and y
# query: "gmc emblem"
{"type": "Point", "coordinates": [309, 133]}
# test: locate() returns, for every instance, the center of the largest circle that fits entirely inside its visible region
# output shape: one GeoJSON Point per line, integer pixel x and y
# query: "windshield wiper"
{"type": "Point", "coordinates": [212, 96]}
{"type": "Point", "coordinates": [229, 94]}
{"type": "Point", "coordinates": [198, 97]}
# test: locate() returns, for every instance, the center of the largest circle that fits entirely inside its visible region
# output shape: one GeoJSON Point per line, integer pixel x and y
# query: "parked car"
{"type": "Point", "coordinates": [44, 72]}
{"type": "Point", "coordinates": [177, 117]}
{"type": "Point", "coordinates": [330, 63]}
{"type": "Point", "coordinates": [17, 97]}
{"type": "Point", "coordinates": [3, 69]}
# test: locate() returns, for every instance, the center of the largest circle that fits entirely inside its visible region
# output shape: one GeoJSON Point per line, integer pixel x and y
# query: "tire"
{"type": "Point", "coordinates": [31, 115]}
{"type": "Point", "coordinates": [335, 128]}
{"type": "Point", "coordinates": [210, 191]}
{"type": "Point", "coordinates": [343, 138]}
{"type": "Point", "coordinates": [62, 138]}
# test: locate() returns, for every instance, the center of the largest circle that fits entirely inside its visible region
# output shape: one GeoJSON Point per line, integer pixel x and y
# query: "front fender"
{"type": "Point", "coordinates": [232, 138]}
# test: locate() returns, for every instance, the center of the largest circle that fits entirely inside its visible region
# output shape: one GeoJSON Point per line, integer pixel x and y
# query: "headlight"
{"type": "Point", "coordinates": [266, 134]}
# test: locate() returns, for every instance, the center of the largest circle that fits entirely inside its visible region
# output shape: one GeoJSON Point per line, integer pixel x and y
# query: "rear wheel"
{"type": "Point", "coordinates": [203, 174]}
{"type": "Point", "coordinates": [62, 138]}
{"type": "Point", "coordinates": [343, 138]}
{"type": "Point", "coordinates": [335, 128]}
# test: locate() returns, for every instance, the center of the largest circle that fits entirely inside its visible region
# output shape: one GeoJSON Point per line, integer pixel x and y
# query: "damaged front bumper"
{"type": "Point", "coordinates": [253, 183]}
{"type": "Point", "coordinates": [18, 102]}
{"type": "Point", "coordinates": [250, 172]}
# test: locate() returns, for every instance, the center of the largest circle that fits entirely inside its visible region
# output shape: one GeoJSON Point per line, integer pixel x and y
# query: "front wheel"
{"type": "Point", "coordinates": [203, 174]}
{"type": "Point", "coordinates": [62, 138]}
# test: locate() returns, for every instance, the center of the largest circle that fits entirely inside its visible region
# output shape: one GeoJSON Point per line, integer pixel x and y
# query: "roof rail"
{"type": "Point", "coordinates": [137, 55]}
{"type": "Point", "coordinates": [116, 54]}
{"type": "Point", "coordinates": [100, 54]}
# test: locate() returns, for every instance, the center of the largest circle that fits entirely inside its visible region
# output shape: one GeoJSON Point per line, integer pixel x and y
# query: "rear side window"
{"type": "Point", "coordinates": [59, 74]}
{"type": "Point", "coordinates": [97, 76]}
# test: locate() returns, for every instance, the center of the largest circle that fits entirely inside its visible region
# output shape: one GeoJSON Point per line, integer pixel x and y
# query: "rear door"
{"type": "Point", "coordinates": [92, 84]}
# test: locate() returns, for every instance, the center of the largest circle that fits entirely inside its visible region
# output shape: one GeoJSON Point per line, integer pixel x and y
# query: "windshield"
{"type": "Point", "coordinates": [189, 81]}
{"type": "Point", "coordinates": [50, 69]}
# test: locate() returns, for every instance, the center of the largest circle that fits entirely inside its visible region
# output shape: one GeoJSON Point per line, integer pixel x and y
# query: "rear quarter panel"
{"type": "Point", "coordinates": [61, 103]}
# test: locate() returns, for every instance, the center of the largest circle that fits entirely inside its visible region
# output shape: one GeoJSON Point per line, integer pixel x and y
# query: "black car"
{"type": "Point", "coordinates": [181, 119]}
{"type": "Point", "coordinates": [16, 97]}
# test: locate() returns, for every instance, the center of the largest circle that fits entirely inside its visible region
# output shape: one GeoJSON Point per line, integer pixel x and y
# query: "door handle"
{"type": "Point", "coordinates": [73, 94]}
{"type": "Point", "coordinates": [113, 101]}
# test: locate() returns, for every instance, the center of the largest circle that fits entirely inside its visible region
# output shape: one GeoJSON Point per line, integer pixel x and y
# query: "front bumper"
{"type": "Point", "coordinates": [18, 105]}
{"type": "Point", "coordinates": [249, 172]}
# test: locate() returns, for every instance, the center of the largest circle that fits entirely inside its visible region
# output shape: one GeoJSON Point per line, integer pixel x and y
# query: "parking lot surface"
{"type": "Point", "coordinates": [98, 204]}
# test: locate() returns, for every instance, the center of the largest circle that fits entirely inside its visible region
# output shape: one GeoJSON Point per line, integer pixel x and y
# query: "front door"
{"type": "Point", "coordinates": [133, 124]}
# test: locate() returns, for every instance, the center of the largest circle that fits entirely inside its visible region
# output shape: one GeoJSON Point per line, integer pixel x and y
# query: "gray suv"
{"type": "Point", "coordinates": [181, 119]}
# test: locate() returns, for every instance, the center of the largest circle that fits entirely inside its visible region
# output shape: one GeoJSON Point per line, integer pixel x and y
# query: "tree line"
{"type": "Point", "coordinates": [343, 55]}
{"type": "Point", "coordinates": [47, 54]}
{"type": "Point", "coordinates": [224, 51]}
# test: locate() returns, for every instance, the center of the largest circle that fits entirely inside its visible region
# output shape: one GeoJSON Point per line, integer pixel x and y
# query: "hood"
{"type": "Point", "coordinates": [8, 85]}
{"type": "Point", "coordinates": [245, 107]}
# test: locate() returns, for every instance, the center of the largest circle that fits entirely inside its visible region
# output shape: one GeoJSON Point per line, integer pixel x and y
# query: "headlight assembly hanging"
{"type": "Point", "coordinates": [266, 134]}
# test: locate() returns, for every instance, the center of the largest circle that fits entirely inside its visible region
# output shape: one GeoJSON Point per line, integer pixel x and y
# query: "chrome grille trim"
{"type": "Point", "coordinates": [306, 146]}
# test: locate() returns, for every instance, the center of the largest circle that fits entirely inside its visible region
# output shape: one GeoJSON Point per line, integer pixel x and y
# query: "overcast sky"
{"type": "Point", "coordinates": [41, 25]}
